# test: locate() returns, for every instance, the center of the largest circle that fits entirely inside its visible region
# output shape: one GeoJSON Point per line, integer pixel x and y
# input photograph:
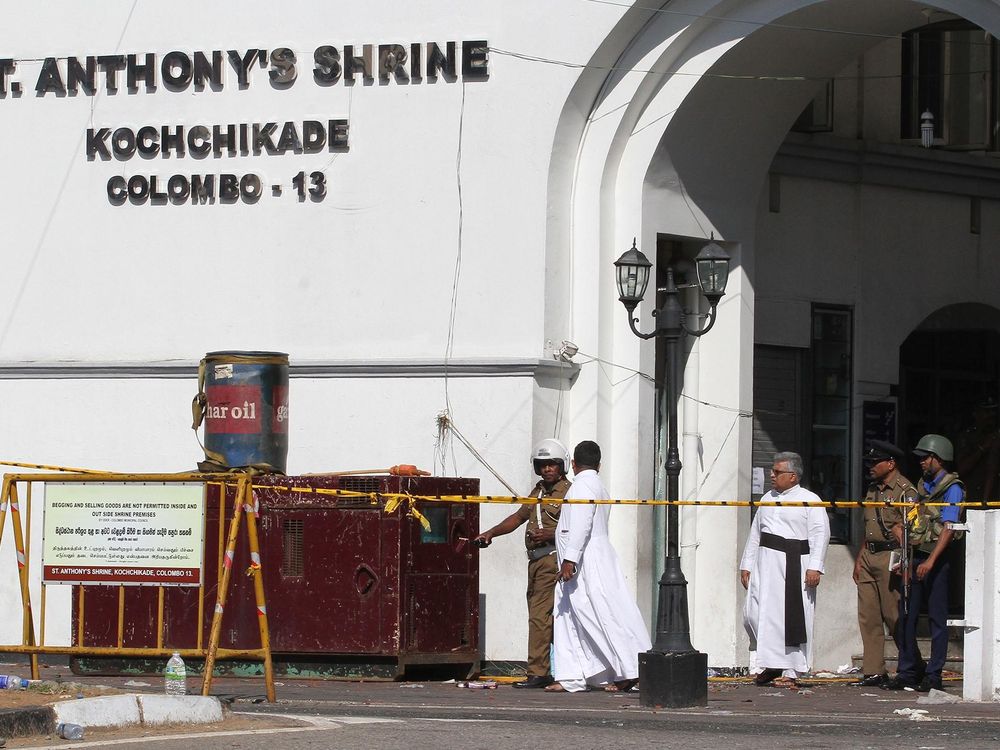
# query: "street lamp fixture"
{"type": "Point", "coordinates": [927, 129]}
{"type": "Point", "coordinates": [672, 674]}
{"type": "Point", "coordinates": [632, 276]}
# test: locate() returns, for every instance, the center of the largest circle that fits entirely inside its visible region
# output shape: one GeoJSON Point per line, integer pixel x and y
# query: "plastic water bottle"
{"type": "Point", "coordinates": [175, 676]}
{"type": "Point", "coordinates": [12, 682]}
{"type": "Point", "coordinates": [69, 731]}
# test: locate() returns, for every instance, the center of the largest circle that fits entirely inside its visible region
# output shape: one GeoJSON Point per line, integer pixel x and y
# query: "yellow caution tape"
{"type": "Point", "coordinates": [420, 517]}
{"type": "Point", "coordinates": [394, 500]}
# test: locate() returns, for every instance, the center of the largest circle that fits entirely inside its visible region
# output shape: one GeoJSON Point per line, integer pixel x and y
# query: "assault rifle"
{"type": "Point", "coordinates": [904, 564]}
{"type": "Point", "coordinates": [911, 513]}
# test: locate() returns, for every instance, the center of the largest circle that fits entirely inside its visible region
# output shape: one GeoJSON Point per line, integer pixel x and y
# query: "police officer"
{"type": "Point", "coordinates": [878, 588]}
{"type": "Point", "coordinates": [551, 462]}
{"type": "Point", "coordinates": [929, 534]}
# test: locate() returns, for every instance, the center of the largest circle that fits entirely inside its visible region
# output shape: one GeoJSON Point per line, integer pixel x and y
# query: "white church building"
{"type": "Point", "coordinates": [422, 203]}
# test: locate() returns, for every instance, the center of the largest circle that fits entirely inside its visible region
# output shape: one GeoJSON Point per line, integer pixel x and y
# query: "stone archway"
{"type": "Point", "coordinates": [665, 135]}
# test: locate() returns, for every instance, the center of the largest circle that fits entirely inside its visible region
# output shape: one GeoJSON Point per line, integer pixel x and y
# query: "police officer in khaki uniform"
{"type": "Point", "coordinates": [878, 588]}
{"type": "Point", "coordinates": [551, 461]}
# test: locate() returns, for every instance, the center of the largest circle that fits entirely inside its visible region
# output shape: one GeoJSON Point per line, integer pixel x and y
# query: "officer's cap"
{"type": "Point", "coordinates": [881, 450]}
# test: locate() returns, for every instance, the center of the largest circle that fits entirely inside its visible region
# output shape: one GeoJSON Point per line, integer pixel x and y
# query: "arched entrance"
{"type": "Point", "coordinates": [949, 377]}
{"type": "Point", "coordinates": [949, 369]}
{"type": "Point", "coordinates": [678, 142]}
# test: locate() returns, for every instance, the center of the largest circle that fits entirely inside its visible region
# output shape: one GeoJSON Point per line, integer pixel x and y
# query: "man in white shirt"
{"type": "Point", "coordinates": [781, 568]}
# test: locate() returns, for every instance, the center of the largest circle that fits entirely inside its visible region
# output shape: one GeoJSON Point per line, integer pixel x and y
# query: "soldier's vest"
{"type": "Point", "coordinates": [924, 521]}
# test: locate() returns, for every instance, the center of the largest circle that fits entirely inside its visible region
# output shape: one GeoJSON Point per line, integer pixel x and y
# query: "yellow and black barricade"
{"type": "Point", "coordinates": [33, 643]}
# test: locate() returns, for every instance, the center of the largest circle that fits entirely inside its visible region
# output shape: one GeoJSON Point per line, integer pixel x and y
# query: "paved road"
{"type": "Point", "coordinates": [441, 716]}
{"type": "Point", "coordinates": [408, 727]}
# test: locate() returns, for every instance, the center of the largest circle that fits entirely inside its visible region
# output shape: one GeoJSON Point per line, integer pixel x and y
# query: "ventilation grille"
{"type": "Point", "coordinates": [291, 556]}
{"type": "Point", "coordinates": [358, 484]}
{"type": "Point", "coordinates": [361, 484]}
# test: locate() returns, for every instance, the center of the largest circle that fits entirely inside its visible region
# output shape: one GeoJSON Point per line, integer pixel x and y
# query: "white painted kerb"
{"type": "Point", "coordinates": [130, 709]}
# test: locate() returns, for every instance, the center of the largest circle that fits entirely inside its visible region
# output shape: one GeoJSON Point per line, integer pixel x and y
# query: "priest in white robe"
{"type": "Point", "coordinates": [781, 568]}
{"type": "Point", "coordinates": [598, 631]}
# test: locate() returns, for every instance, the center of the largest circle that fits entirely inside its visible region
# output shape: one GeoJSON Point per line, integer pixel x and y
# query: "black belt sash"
{"type": "Point", "coordinates": [795, 615]}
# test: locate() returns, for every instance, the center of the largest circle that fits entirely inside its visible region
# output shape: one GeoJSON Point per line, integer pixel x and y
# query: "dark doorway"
{"type": "Point", "coordinates": [949, 377]}
{"type": "Point", "coordinates": [949, 384]}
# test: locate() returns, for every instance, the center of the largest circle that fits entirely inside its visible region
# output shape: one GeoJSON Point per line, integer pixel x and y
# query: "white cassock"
{"type": "Point", "coordinates": [764, 614]}
{"type": "Point", "coordinates": [597, 630]}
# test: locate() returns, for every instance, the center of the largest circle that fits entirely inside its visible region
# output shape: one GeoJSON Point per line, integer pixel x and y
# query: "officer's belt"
{"type": "Point", "coordinates": [881, 546]}
{"type": "Point", "coordinates": [539, 552]}
{"type": "Point", "coordinates": [795, 615]}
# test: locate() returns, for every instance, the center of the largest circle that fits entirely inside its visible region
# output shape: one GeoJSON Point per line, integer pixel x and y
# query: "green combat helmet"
{"type": "Point", "coordinates": [924, 518]}
{"type": "Point", "coordinates": [939, 445]}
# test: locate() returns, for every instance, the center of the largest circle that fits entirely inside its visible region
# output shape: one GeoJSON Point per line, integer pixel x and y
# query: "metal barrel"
{"type": "Point", "coordinates": [246, 410]}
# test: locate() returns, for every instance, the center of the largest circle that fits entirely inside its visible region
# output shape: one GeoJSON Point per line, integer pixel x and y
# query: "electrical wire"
{"type": "Point", "coordinates": [445, 419]}
{"type": "Point", "coordinates": [450, 345]}
{"type": "Point", "coordinates": [476, 454]}
{"type": "Point", "coordinates": [788, 77]}
{"type": "Point", "coordinates": [660, 383]}
{"type": "Point", "coordinates": [445, 416]}
{"type": "Point", "coordinates": [705, 474]}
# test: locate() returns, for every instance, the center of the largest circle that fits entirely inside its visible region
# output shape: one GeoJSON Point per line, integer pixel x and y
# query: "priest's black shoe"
{"type": "Point", "coordinates": [873, 680]}
{"type": "Point", "coordinates": [898, 683]}
{"type": "Point", "coordinates": [767, 676]}
{"type": "Point", "coordinates": [929, 683]}
{"type": "Point", "coordinates": [535, 681]}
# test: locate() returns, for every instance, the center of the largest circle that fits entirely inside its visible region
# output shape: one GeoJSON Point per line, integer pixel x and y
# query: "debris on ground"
{"type": "Point", "coordinates": [915, 714]}
{"type": "Point", "coordinates": [937, 697]}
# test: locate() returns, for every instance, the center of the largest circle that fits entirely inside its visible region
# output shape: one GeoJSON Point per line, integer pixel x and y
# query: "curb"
{"type": "Point", "coordinates": [128, 709]}
{"type": "Point", "coordinates": [26, 722]}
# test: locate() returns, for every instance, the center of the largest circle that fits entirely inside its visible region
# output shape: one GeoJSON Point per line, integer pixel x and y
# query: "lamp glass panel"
{"type": "Point", "coordinates": [632, 280]}
{"type": "Point", "coordinates": [713, 273]}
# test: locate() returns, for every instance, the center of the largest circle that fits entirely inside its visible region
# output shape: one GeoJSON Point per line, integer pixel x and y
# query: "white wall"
{"type": "Point", "coordinates": [429, 243]}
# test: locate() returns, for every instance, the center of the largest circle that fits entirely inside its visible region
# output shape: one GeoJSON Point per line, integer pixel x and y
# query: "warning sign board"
{"type": "Point", "coordinates": [123, 533]}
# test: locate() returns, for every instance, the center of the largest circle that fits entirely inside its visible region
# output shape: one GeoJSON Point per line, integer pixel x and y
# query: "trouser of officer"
{"type": "Point", "coordinates": [878, 603]}
{"type": "Point", "coordinates": [934, 591]}
{"type": "Point", "coordinates": [542, 574]}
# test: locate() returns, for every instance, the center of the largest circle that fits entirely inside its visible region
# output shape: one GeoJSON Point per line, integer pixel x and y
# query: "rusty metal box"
{"type": "Point", "coordinates": [350, 589]}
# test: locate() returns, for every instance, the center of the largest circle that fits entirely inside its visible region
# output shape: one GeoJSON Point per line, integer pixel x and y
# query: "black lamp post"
{"type": "Point", "coordinates": [672, 673]}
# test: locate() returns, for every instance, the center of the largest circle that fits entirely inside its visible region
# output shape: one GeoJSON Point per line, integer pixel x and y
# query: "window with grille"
{"type": "Point", "coordinates": [950, 69]}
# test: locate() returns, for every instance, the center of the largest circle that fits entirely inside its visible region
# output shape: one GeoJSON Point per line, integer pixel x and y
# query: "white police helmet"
{"type": "Point", "coordinates": [549, 450]}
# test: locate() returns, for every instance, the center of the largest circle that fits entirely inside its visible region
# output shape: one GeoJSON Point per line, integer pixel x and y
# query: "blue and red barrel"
{"type": "Point", "coordinates": [243, 400]}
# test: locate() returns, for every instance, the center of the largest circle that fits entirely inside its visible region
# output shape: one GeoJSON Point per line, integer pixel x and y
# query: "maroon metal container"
{"type": "Point", "coordinates": [347, 585]}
